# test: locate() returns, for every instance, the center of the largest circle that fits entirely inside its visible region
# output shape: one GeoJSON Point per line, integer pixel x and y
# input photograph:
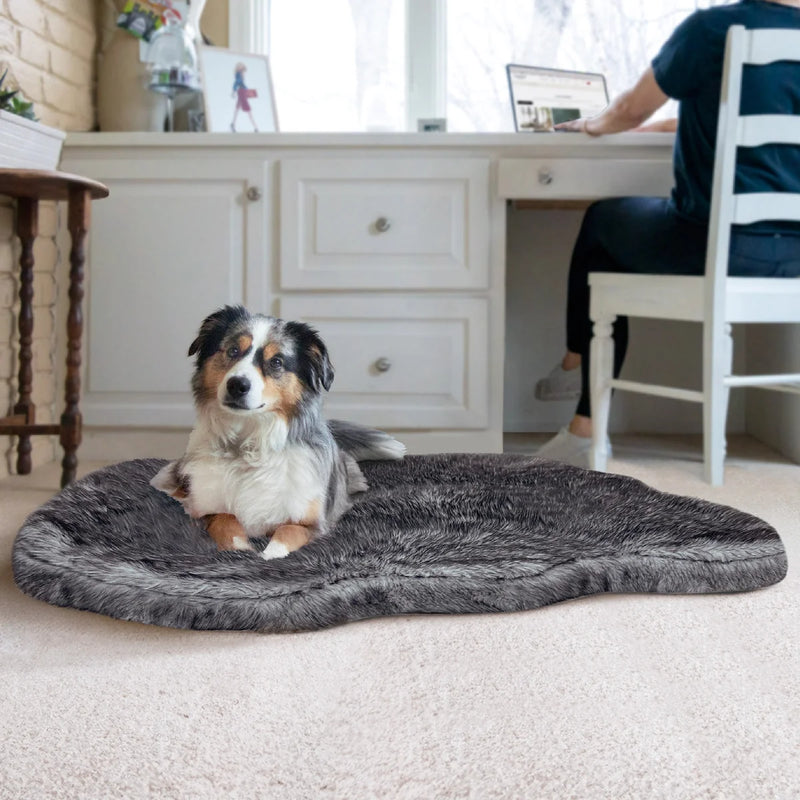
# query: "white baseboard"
{"type": "Point", "coordinates": [113, 444]}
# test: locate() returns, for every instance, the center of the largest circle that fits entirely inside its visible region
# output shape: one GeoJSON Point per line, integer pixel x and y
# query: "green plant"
{"type": "Point", "coordinates": [11, 101]}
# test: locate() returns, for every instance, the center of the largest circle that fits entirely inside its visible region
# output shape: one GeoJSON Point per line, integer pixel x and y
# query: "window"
{"type": "Point", "coordinates": [354, 65]}
{"type": "Point", "coordinates": [338, 65]}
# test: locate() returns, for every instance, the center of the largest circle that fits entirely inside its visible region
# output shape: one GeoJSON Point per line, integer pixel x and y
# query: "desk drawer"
{"type": "Point", "coordinates": [384, 223]}
{"type": "Point", "coordinates": [582, 178]}
{"type": "Point", "coordinates": [402, 363]}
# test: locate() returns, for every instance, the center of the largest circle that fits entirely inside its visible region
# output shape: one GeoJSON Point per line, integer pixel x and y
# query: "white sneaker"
{"type": "Point", "coordinates": [568, 448]}
{"type": "Point", "coordinates": [560, 384]}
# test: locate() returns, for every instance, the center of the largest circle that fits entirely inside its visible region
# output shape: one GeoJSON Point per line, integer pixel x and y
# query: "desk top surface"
{"type": "Point", "coordinates": [552, 144]}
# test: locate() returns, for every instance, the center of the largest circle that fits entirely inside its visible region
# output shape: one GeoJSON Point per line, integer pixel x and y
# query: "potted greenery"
{"type": "Point", "coordinates": [24, 141]}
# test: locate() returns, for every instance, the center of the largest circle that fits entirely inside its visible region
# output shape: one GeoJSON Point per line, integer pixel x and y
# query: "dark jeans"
{"type": "Point", "coordinates": [643, 235]}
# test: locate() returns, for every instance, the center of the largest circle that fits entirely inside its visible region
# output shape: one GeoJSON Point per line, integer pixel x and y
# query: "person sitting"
{"type": "Point", "coordinates": [669, 235]}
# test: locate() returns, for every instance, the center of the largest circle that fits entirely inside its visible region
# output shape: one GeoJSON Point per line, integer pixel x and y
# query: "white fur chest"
{"type": "Point", "coordinates": [277, 487]}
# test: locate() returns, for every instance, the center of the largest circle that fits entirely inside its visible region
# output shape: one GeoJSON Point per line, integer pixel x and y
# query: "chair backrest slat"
{"type": "Point", "coordinates": [769, 44]}
{"type": "Point", "coordinates": [758, 129]}
{"type": "Point", "coordinates": [758, 206]}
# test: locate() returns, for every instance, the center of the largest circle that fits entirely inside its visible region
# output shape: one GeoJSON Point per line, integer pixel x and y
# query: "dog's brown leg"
{"type": "Point", "coordinates": [286, 539]}
{"type": "Point", "coordinates": [227, 532]}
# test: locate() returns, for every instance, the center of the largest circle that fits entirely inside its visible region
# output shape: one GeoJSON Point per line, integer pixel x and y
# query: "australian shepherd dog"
{"type": "Point", "coordinates": [262, 460]}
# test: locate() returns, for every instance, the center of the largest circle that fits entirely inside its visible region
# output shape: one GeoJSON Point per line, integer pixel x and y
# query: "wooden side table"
{"type": "Point", "coordinates": [28, 187]}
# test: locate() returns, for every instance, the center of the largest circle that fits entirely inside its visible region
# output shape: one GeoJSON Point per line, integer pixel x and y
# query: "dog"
{"type": "Point", "coordinates": [261, 459]}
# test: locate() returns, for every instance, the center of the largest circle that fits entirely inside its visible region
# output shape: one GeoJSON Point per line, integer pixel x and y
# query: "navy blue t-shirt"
{"type": "Point", "coordinates": [689, 69]}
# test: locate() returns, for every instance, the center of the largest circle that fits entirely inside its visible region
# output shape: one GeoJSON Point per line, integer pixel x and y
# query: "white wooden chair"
{"type": "Point", "coordinates": [713, 299]}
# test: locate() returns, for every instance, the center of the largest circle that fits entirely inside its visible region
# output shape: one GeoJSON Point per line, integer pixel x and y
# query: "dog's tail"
{"type": "Point", "coordinates": [365, 444]}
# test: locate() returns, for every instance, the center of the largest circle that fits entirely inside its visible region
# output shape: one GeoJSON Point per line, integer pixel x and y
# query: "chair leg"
{"type": "Point", "coordinates": [718, 363]}
{"type": "Point", "coordinates": [601, 371]}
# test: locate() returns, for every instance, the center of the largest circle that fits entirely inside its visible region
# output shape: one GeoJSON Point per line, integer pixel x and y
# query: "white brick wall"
{"type": "Point", "coordinates": [49, 47]}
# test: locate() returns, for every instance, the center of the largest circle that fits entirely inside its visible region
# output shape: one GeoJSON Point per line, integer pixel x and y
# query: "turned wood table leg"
{"type": "Point", "coordinates": [27, 229]}
{"type": "Point", "coordinates": [78, 217]}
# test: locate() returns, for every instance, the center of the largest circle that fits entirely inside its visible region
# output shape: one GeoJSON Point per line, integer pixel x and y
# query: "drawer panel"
{"type": "Point", "coordinates": [402, 363]}
{"type": "Point", "coordinates": [416, 219]}
{"type": "Point", "coordinates": [384, 223]}
{"type": "Point", "coordinates": [583, 178]}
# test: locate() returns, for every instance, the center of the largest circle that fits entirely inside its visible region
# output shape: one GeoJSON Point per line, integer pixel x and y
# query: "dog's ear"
{"type": "Point", "coordinates": [323, 369]}
{"type": "Point", "coordinates": [316, 367]}
{"type": "Point", "coordinates": [213, 330]}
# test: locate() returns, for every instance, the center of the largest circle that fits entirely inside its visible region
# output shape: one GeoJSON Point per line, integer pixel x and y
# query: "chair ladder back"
{"type": "Point", "coordinates": [764, 46]}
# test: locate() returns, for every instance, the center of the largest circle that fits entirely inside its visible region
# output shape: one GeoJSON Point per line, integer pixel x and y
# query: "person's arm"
{"type": "Point", "coordinates": [660, 126]}
{"type": "Point", "coordinates": [627, 111]}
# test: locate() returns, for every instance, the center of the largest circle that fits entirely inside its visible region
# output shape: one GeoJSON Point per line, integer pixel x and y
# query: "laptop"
{"type": "Point", "coordinates": [542, 97]}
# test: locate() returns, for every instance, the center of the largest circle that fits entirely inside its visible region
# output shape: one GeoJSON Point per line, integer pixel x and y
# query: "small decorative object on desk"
{"type": "Point", "coordinates": [172, 62]}
{"type": "Point", "coordinates": [431, 124]}
{"type": "Point", "coordinates": [238, 91]}
{"type": "Point", "coordinates": [141, 18]}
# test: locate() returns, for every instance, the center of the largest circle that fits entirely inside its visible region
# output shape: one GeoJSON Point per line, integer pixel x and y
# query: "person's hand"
{"type": "Point", "coordinates": [628, 111]}
{"type": "Point", "coordinates": [580, 125]}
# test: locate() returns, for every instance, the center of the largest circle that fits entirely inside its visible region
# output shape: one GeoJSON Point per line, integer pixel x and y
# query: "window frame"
{"type": "Point", "coordinates": [248, 22]}
{"type": "Point", "coordinates": [426, 60]}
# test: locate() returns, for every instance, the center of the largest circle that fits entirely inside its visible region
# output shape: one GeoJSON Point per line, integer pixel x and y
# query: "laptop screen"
{"type": "Point", "coordinates": [541, 97]}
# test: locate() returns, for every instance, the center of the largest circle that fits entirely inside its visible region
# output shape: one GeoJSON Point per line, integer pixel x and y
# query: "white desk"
{"type": "Point", "coordinates": [291, 224]}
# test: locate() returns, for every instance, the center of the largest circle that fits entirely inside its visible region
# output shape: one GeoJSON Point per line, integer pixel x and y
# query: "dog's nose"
{"type": "Point", "coordinates": [238, 387]}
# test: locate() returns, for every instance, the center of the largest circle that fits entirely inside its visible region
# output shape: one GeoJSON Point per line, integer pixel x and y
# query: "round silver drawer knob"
{"type": "Point", "coordinates": [383, 365]}
{"type": "Point", "coordinates": [382, 224]}
{"type": "Point", "coordinates": [254, 193]}
{"type": "Point", "coordinates": [545, 176]}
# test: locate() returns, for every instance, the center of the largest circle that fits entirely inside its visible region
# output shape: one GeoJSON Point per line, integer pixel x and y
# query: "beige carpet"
{"type": "Point", "coordinates": [608, 697]}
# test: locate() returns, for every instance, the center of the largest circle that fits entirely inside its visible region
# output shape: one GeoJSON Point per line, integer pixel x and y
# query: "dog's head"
{"type": "Point", "coordinates": [250, 362]}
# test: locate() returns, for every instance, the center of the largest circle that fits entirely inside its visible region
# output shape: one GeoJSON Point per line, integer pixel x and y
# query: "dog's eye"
{"type": "Point", "coordinates": [276, 362]}
{"type": "Point", "coordinates": [233, 352]}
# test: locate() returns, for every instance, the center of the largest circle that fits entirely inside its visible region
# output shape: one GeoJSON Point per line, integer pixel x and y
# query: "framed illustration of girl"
{"type": "Point", "coordinates": [237, 92]}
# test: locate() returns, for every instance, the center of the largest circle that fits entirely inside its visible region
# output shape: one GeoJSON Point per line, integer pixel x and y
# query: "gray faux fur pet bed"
{"type": "Point", "coordinates": [434, 534]}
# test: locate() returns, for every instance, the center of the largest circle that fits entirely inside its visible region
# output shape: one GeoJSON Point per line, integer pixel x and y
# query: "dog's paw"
{"type": "Point", "coordinates": [240, 543]}
{"type": "Point", "coordinates": [275, 550]}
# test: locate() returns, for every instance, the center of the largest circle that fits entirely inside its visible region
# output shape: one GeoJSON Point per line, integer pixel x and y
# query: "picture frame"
{"type": "Point", "coordinates": [237, 91]}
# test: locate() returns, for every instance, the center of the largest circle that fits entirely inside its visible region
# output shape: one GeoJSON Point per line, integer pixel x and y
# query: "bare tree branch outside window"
{"type": "Point", "coordinates": [617, 39]}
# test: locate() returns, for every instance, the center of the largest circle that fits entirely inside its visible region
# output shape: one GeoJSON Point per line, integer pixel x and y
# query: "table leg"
{"type": "Point", "coordinates": [27, 229]}
{"type": "Point", "coordinates": [78, 217]}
